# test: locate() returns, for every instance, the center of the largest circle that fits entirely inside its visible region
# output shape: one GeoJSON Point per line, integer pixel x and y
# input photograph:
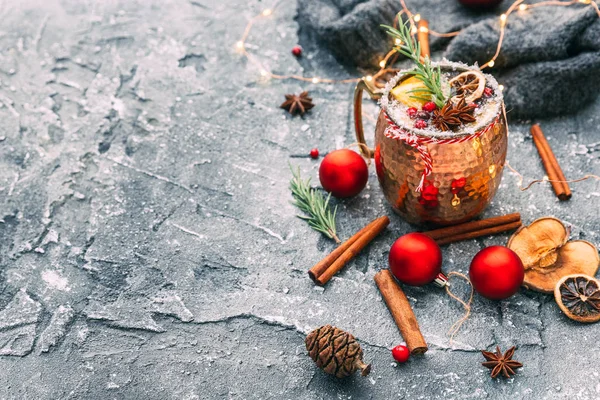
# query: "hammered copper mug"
{"type": "Point", "coordinates": [466, 168]}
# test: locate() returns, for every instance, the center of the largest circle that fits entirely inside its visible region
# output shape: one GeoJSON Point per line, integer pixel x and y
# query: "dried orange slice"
{"type": "Point", "coordinates": [409, 88]}
{"type": "Point", "coordinates": [578, 296]}
{"type": "Point", "coordinates": [548, 256]}
{"type": "Point", "coordinates": [469, 84]}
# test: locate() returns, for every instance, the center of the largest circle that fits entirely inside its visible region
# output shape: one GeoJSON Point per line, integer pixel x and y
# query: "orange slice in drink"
{"type": "Point", "coordinates": [406, 91]}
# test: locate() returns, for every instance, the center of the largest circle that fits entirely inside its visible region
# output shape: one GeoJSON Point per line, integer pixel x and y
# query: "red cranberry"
{"type": "Point", "coordinates": [412, 112]}
{"type": "Point", "coordinates": [429, 106]}
{"type": "Point", "coordinates": [314, 153]}
{"type": "Point", "coordinates": [401, 353]}
{"type": "Point", "coordinates": [297, 51]}
{"type": "Point", "coordinates": [423, 115]}
{"type": "Point", "coordinates": [488, 91]}
{"type": "Point", "coordinates": [420, 124]}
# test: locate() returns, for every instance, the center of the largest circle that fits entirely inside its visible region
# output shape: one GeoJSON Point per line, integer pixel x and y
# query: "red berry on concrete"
{"type": "Point", "coordinates": [297, 51]}
{"type": "Point", "coordinates": [401, 353]}
{"type": "Point", "coordinates": [420, 124]}
{"type": "Point", "coordinates": [429, 106]}
{"type": "Point", "coordinates": [314, 153]}
{"type": "Point", "coordinates": [412, 112]}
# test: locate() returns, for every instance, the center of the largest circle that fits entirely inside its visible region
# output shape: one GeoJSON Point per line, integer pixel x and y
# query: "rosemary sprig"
{"type": "Point", "coordinates": [429, 75]}
{"type": "Point", "coordinates": [314, 205]}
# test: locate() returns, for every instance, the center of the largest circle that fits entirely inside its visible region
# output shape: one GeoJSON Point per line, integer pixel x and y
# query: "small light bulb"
{"type": "Point", "coordinates": [315, 80]}
{"type": "Point", "coordinates": [417, 17]}
{"type": "Point", "coordinates": [491, 63]}
{"type": "Point", "coordinates": [264, 72]}
{"type": "Point", "coordinates": [523, 7]}
{"type": "Point", "coordinates": [398, 42]}
{"type": "Point", "coordinates": [500, 87]}
{"type": "Point", "coordinates": [240, 45]}
{"type": "Point", "coordinates": [382, 63]}
{"type": "Point", "coordinates": [423, 29]}
{"type": "Point", "coordinates": [413, 31]}
{"type": "Point", "coordinates": [369, 78]}
{"type": "Point", "coordinates": [267, 12]}
{"type": "Point", "coordinates": [503, 19]}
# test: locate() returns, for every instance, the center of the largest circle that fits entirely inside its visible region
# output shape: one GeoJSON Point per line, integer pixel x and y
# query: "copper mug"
{"type": "Point", "coordinates": [465, 173]}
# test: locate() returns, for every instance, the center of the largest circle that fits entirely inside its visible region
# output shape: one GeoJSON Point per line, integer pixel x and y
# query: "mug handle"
{"type": "Point", "coordinates": [369, 87]}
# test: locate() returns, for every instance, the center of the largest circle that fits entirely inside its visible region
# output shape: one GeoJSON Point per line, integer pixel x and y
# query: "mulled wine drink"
{"type": "Point", "coordinates": [439, 157]}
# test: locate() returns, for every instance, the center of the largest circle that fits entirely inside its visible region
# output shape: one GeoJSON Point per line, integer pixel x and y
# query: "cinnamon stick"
{"type": "Point", "coordinates": [423, 37]}
{"type": "Point", "coordinates": [326, 262]}
{"type": "Point", "coordinates": [360, 243]}
{"type": "Point", "coordinates": [484, 232]}
{"type": "Point", "coordinates": [401, 311]}
{"type": "Point", "coordinates": [553, 170]}
{"type": "Point", "coordinates": [474, 229]}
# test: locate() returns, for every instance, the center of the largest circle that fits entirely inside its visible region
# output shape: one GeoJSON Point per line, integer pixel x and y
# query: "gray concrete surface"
{"type": "Point", "coordinates": [148, 249]}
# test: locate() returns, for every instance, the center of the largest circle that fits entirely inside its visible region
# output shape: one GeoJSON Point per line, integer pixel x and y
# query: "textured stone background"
{"type": "Point", "coordinates": [148, 248]}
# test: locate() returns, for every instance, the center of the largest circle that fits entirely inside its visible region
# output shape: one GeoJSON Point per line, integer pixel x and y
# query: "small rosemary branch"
{"type": "Point", "coordinates": [430, 76]}
{"type": "Point", "coordinates": [314, 205]}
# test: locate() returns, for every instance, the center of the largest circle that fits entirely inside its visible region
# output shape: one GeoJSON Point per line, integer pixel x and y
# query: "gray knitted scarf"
{"type": "Point", "coordinates": [549, 62]}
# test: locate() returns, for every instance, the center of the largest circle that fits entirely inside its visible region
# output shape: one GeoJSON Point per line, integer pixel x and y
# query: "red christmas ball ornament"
{"type": "Point", "coordinates": [344, 173]}
{"type": "Point", "coordinates": [416, 259]}
{"type": "Point", "coordinates": [401, 353]}
{"type": "Point", "coordinates": [480, 4]}
{"type": "Point", "coordinates": [314, 153]}
{"type": "Point", "coordinates": [496, 272]}
{"type": "Point", "coordinates": [297, 51]}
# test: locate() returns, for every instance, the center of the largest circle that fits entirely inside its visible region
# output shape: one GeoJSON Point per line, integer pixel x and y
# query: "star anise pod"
{"type": "Point", "coordinates": [501, 363]}
{"type": "Point", "coordinates": [297, 104]}
{"type": "Point", "coordinates": [451, 116]}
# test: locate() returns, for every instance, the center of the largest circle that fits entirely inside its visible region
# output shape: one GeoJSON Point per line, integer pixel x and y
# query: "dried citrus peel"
{"type": "Point", "coordinates": [471, 84]}
{"type": "Point", "coordinates": [548, 256]}
{"type": "Point", "coordinates": [406, 91]}
{"type": "Point", "coordinates": [578, 296]}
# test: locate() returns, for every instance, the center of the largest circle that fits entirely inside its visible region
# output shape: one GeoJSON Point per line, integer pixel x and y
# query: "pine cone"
{"type": "Point", "coordinates": [336, 352]}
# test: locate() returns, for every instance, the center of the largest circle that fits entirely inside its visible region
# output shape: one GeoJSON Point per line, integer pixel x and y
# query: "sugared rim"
{"type": "Point", "coordinates": [387, 105]}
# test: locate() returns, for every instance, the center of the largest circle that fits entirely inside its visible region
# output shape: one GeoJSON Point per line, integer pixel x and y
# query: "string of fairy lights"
{"type": "Point", "coordinates": [391, 57]}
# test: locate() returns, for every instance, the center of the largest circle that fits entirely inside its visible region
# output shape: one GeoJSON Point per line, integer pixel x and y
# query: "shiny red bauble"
{"type": "Point", "coordinates": [480, 4]}
{"type": "Point", "coordinates": [344, 173]}
{"type": "Point", "coordinates": [415, 259]}
{"type": "Point", "coordinates": [401, 353]}
{"type": "Point", "coordinates": [496, 272]}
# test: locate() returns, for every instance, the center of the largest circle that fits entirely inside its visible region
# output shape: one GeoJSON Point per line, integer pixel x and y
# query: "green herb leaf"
{"type": "Point", "coordinates": [424, 71]}
{"type": "Point", "coordinates": [314, 205]}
